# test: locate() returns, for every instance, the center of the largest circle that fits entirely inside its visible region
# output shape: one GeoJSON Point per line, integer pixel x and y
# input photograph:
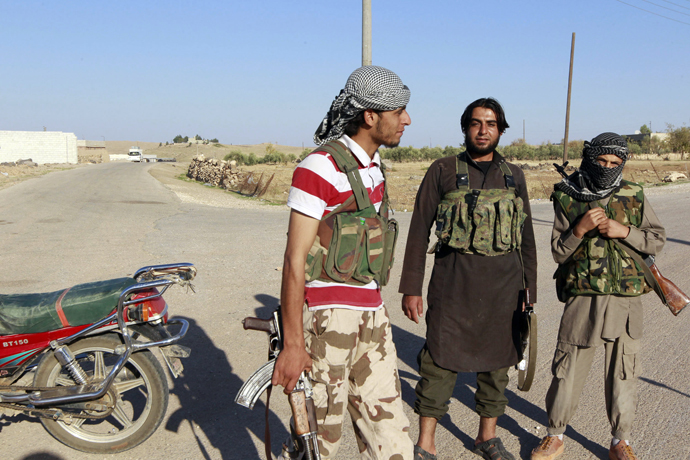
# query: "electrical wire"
{"type": "Point", "coordinates": [652, 12]}
{"type": "Point", "coordinates": [670, 9]}
{"type": "Point", "coordinates": [681, 6]}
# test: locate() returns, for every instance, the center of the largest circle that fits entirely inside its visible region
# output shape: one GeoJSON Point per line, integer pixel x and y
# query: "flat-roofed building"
{"type": "Point", "coordinates": [40, 146]}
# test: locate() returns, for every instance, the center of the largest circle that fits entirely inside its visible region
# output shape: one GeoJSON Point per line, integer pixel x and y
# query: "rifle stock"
{"type": "Point", "coordinates": [676, 300]}
{"type": "Point", "coordinates": [255, 385]}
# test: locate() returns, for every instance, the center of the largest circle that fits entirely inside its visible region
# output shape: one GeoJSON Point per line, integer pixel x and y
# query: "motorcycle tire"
{"type": "Point", "coordinates": [142, 397]}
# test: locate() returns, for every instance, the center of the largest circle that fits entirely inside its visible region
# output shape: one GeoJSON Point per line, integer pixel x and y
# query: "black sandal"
{"type": "Point", "coordinates": [493, 449]}
{"type": "Point", "coordinates": [421, 454]}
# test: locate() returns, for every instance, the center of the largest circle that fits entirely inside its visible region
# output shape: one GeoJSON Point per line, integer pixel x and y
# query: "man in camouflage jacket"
{"type": "Point", "coordinates": [601, 287]}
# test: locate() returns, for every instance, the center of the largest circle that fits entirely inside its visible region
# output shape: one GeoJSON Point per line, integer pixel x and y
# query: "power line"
{"type": "Point", "coordinates": [670, 9]}
{"type": "Point", "coordinates": [681, 6]}
{"type": "Point", "coordinates": [652, 12]}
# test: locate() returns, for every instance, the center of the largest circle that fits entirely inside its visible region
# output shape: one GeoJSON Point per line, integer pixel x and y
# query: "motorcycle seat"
{"type": "Point", "coordinates": [75, 306]}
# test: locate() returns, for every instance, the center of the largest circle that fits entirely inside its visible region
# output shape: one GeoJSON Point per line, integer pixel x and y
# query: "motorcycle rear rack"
{"type": "Point", "coordinates": [163, 276]}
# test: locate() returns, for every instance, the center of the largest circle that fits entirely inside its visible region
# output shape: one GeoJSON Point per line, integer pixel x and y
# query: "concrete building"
{"type": "Point", "coordinates": [91, 151]}
{"type": "Point", "coordinates": [41, 146]}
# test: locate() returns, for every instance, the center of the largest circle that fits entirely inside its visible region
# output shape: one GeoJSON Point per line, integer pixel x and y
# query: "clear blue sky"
{"type": "Point", "coordinates": [266, 71]}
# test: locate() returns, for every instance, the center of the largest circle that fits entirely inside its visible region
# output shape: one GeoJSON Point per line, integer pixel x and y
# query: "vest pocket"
{"type": "Point", "coordinates": [484, 217]}
{"type": "Point", "coordinates": [371, 260]}
{"type": "Point", "coordinates": [444, 219]}
{"type": "Point", "coordinates": [347, 246]}
{"type": "Point", "coordinates": [460, 232]}
{"type": "Point", "coordinates": [518, 222]}
{"type": "Point", "coordinates": [314, 264]}
{"type": "Point", "coordinates": [390, 238]}
{"type": "Point", "coordinates": [505, 215]}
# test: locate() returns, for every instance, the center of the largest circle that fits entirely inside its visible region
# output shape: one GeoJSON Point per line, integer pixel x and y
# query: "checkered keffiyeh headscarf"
{"type": "Point", "coordinates": [593, 181]}
{"type": "Point", "coordinates": [369, 87]}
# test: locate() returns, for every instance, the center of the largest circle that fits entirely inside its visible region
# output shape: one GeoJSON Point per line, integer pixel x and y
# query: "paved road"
{"type": "Point", "coordinates": [108, 220]}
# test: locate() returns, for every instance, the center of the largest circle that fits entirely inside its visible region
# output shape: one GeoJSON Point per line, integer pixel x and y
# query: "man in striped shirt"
{"type": "Point", "coordinates": [340, 331]}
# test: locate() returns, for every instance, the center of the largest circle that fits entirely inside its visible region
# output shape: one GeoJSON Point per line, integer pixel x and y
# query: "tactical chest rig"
{"type": "Point", "coordinates": [599, 266]}
{"type": "Point", "coordinates": [354, 243]}
{"type": "Point", "coordinates": [477, 221]}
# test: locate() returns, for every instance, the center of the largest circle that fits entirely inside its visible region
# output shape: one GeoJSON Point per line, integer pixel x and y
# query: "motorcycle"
{"type": "Point", "coordinates": [81, 359]}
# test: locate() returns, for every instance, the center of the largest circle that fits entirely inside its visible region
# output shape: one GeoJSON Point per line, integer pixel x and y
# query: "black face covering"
{"type": "Point", "coordinates": [600, 176]}
{"type": "Point", "coordinates": [594, 181]}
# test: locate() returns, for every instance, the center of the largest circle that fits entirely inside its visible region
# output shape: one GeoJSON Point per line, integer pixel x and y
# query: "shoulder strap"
{"type": "Point", "coordinates": [462, 176]}
{"type": "Point", "coordinates": [508, 175]}
{"type": "Point", "coordinates": [347, 164]}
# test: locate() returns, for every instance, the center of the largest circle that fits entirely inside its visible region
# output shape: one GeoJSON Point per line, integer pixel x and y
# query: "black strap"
{"type": "Point", "coordinates": [462, 176]}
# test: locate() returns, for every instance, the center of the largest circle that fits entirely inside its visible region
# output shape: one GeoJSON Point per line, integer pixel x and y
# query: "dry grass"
{"type": "Point", "coordinates": [10, 175]}
{"type": "Point", "coordinates": [404, 178]}
{"type": "Point", "coordinates": [185, 152]}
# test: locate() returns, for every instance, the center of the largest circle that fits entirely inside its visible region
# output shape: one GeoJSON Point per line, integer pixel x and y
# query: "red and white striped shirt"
{"type": "Point", "coordinates": [318, 188]}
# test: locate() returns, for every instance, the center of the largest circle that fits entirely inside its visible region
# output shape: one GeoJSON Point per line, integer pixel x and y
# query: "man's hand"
{"type": "Point", "coordinates": [413, 307]}
{"type": "Point", "coordinates": [289, 366]}
{"type": "Point", "coordinates": [613, 229]}
{"type": "Point", "coordinates": [590, 220]}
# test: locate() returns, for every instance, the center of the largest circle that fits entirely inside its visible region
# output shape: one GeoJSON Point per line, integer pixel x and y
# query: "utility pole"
{"type": "Point", "coordinates": [567, 110]}
{"type": "Point", "coordinates": [366, 32]}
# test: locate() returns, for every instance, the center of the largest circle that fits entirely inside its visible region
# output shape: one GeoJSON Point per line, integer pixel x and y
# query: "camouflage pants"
{"type": "Point", "coordinates": [354, 366]}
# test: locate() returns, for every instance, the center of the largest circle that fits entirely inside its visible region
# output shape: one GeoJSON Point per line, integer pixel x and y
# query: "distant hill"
{"type": "Point", "coordinates": [183, 152]}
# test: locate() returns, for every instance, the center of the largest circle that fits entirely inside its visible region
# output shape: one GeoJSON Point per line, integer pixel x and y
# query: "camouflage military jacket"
{"type": "Point", "coordinates": [598, 266]}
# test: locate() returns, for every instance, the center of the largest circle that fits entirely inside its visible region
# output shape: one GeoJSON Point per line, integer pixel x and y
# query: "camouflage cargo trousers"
{"type": "Point", "coordinates": [355, 366]}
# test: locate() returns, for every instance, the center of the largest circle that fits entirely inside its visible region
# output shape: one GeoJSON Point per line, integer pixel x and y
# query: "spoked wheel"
{"type": "Point", "coordinates": [140, 392]}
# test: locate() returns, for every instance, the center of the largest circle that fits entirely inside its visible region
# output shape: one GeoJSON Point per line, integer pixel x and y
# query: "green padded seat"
{"type": "Point", "coordinates": [81, 304]}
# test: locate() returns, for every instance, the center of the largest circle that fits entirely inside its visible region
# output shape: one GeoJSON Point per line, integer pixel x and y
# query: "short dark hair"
{"type": "Point", "coordinates": [352, 127]}
{"type": "Point", "coordinates": [487, 103]}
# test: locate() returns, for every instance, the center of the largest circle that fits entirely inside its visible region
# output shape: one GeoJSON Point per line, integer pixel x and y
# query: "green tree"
{"type": "Point", "coordinates": [644, 129]}
{"type": "Point", "coordinates": [678, 139]}
{"type": "Point", "coordinates": [197, 138]}
{"type": "Point", "coordinates": [179, 139]}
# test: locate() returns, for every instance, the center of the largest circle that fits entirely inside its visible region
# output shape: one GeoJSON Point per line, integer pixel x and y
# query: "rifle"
{"type": "Point", "coordinates": [254, 387]}
{"type": "Point", "coordinates": [303, 425]}
{"type": "Point", "coordinates": [670, 294]}
{"type": "Point", "coordinates": [675, 299]}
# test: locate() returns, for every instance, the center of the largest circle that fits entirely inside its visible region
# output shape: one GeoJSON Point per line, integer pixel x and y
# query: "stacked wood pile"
{"type": "Point", "coordinates": [219, 173]}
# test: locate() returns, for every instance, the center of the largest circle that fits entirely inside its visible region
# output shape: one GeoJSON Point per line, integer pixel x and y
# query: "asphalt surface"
{"type": "Point", "coordinates": [106, 221]}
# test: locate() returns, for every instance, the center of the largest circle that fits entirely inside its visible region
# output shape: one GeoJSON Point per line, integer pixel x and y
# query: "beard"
{"type": "Point", "coordinates": [386, 136]}
{"type": "Point", "coordinates": [474, 150]}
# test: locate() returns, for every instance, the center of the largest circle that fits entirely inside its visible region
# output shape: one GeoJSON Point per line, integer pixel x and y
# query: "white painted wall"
{"type": "Point", "coordinates": [41, 146]}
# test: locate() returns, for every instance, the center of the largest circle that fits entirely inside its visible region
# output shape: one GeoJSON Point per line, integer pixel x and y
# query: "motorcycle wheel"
{"type": "Point", "coordinates": [141, 389]}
